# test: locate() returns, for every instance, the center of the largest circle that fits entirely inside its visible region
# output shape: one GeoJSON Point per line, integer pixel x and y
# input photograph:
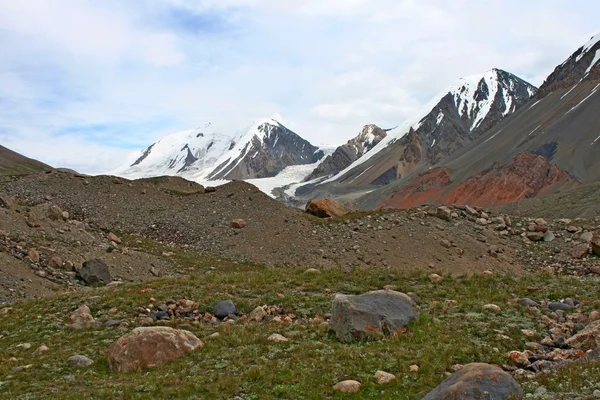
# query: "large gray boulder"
{"type": "Point", "coordinates": [95, 273]}
{"type": "Point", "coordinates": [378, 313]}
{"type": "Point", "coordinates": [477, 382]}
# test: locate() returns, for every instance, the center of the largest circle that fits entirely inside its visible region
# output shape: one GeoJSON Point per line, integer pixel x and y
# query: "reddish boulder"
{"type": "Point", "coordinates": [113, 238]}
{"type": "Point", "coordinates": [55, 262]}
{"type": "Point", "coordinates": [580, 251]}
{"type": "Point", "coordinates": [147, 347]}
{"type": "Point", "coordinates": [325, 208]}
{"type": "Point", "coordinates": [238, 224]}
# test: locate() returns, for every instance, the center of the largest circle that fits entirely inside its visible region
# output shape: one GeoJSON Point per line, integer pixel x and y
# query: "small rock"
{"type": "Point", "coordinates": [444, 213]}
{"type": "Point", "coordinates": [445, 243]}
{"type": "Point", "coordinates": [492, 308]}
{"type": "Point", "coordinates": [224, 308]}
{"type": "Point", "coordinates": [435, 278]}
{"type": "Point", "coordinates": [40, 350]}
{"type": "Point", "coordinates": [55, 262]}
{"type": "Point", "coordinates": [21, 368]}
{"type": "Point", "coordinates": [34, 256]}
{"type": "Point", "coordinates": [277, 338]}
{"type": "Point", "coordinates": [95, 273]}
{"type": "Point", "coordinates": [487, 273]}
{"type": "Point", "coordinates": [348, 386]}
{"type": "Point", "coordinates": [527, 302]}
{"type": "Point", "coordinates": [535, 236]}
{"type": "Point", "coordinates": [554, 306]}
{"type": "Point", "coordinates": [383, 377]}
{"type": "Point", "coordinates": [238, 224]}
{"type": "Point", "coordinates": [113, 238]}
{"type": "Point", "coordinates": [586, 237]}
{"type": "Point", "coordinates": [414, 368]}
{"type": "Point", "coordinates": [580, 251]}
{"type": "Point", "coordinates": [520, 358]}
{"type": "Point", "coordinates": [312, 271]}
{"type": "Point", "coordinates": [155, 271]}
{"type": "Point", "coordinates": [79, 361]}
{"type": "Point", "coordinates": [81, 318]}
{"type": "Point", "coordinates": [549, 236]}
{"type": "Point", "coordinates": [257, 315]}
{"type": "Point", "coordinates": [528, 332]}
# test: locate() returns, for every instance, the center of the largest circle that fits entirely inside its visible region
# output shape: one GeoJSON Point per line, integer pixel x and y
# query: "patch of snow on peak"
{"type": "Point", "coordinates": [439, 117]}
{"type": "Point", "coordinates": [465, 96]}
{"type": "Point", "coordinates": [588, 46]}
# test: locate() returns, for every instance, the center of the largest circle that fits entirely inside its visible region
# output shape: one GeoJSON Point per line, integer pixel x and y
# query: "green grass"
{"type": "Point", "coordinates": [241, 361]}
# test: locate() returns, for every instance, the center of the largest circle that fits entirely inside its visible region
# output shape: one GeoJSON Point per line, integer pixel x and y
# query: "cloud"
{"type": "Point", "coordinates": [84, 82]}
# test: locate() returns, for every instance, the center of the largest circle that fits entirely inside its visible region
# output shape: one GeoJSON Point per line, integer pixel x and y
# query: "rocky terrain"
{"type": "Point", "coordinates": [232, 283]}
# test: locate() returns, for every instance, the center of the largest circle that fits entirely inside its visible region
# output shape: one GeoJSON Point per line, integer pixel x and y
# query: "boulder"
{"type": "Point", "coordinates": [378, 313]}
{"type": "Point", "coordinates": [535, 236]}
{"type": "Point", "coordinates": [444, 213]}
{"type": "Point", "coordinates": [79, 361]}
{"type": "Point", "coordinates": [325, 208]}
{"type": "Point", "coordinates": [81, 318]}
{"type": "Point", "coordinates": [224, 308]}
{"type": "Point", "coordinates": [587, 339]}
{"type": "Point", "coordinates": [113, 238]}
{"type": "Point", "coordinates": [580, 251]}
{"type": "Point", "coordinates": [477, 382]}
{"type": "Point", "coordinates": [238, 224]}
{"type": "Point", "coordinates": [95, 273]}
{"type": "Point", "coordinates": [349, 386]}
{"type": "Point", "coordinates": [147, 347]}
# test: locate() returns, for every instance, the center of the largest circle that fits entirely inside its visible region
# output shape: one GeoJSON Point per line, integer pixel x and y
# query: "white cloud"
{"type": "Point", "coordinates": [137, 70]}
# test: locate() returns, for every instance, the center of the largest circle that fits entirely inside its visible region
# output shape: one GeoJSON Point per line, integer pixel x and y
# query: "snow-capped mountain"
{"type": "Point", "coordinates": [446, 124]}
{"type": "Point", "coordinates": [584, 64]}
{"type": "Point", "coordinates": [346, 154]}
{"type": "Point", "coordinates": [261, 151]}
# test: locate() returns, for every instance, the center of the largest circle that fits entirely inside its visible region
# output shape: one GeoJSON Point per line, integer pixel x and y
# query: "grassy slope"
{"type": "Point", "coordinates": [12, 163]}
{"type": "Point", "coordinates": [241, 361]}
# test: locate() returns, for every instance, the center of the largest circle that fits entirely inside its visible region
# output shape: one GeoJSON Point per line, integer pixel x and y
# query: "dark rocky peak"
{"type": "Point", "coordinates": [583, 64]}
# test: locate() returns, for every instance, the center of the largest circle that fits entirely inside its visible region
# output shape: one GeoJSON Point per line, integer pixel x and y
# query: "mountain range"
{"type": "Point", "coordinates": [486, 140]}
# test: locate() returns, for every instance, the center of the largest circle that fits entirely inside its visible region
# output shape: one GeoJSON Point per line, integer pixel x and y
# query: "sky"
{"type": "Point", "coordinates": [88, 84]}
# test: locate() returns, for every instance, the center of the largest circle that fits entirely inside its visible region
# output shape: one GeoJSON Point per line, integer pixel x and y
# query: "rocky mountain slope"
{"type": "Point", "coordinates": [550, 144]}
{"type": "Point", "coordinates": [345, 155]}
{"type": "Point", "coordinates": [261, 151]}
{"type": "Point", "coordinates": [13, 163]}
{"type": "Point", "coordinates": [448, 123]}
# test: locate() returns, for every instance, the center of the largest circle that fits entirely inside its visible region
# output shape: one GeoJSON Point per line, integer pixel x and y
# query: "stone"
{"type": "Point", "coordinates": [528, 332]}
{"type": "Point", "coordinates": [55, 262]}
{"type": "Point", "coordinates": [224, 308]}
{"type": "Point", "coordinates": [40, 350]}
{"type": "Point", "coordinates": [414, 368]}
{"type": "Point", "coordinates": [277, 338]}
{"type": "Point", "coordinates": [535, 236]}
{"type": "Point", "coordinates": [572, 229]}
{"type": "Point", "coordinates": [580, 251]}
{"type": "Point", "coordinates": [594, 316]}
{"type": "Point", "coordinates": [444, 213]}
{"type": "Point", "coordinates": [348, 386]}
{"type": "Point", "coordinates": [312, 271]}
{"type": "Point", "coordinates": [540, 221]}
{"type": "Point", "coordinates": [586, 339]}
{"type": "Point", "coordinates": [477, 381]}
{"type": "Point", "coordinates": [554, 306]}
{"type": "Point", "coordinates": [113, 238]}
{"type": "Point", "coordinates": [377, 313]}
{"type": "Point", "coordinates": [81, 318]}
{"type": "Point", "coordinates": [471, 211]}
{"type": "Point", "coordinates": [147, 347]}
{"type": "Point", "coordinates": [549, 236]}
{"type": "Point", "coordinates": [596, 244]}
{"type": "Point", "coordinates": [79, 361]}
{"type": "Point", "coordinates": [257, 315]}
{"type": "Point", "coordinates": [586, 237]}
{"type": "Point", "coordinates": [155, 272]}
{"type": "Point", "coordinates": [527, 302]}
{"type": "Point", "coordinates": [445, 243]}
{"type": "Point", "coordinates": [519, 358]}
{"type": "Point", "coordinates": [492, 308]}
{"type": "Point", "coordinates": [95, 272]}
{"type": "Point", "coordinates": [238, 224]}
{"type": "Point", "coordinates": [325, 208]}
{"type": "Point", "coordinates": [383, 377]}
{"type": "Point", "coordinates": [435, 278]}
{"type": "Point", "coordinates": [33, 256]}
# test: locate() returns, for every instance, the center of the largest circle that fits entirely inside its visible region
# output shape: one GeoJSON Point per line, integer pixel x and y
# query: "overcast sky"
{"type": "Point", "coordinates": [84, 83]}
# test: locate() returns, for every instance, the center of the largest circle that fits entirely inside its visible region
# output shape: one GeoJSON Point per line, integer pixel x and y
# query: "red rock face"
{"type": "Point", "coordinates": [424, 188]}
{"type": "Point", "coordinates": [528, 175]}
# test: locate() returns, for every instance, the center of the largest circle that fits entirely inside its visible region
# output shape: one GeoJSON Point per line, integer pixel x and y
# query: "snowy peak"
{"type": "Point", "coordinates": [262, 150]}
{"type": "Point", "coordinates": [583, 64]}
{"type": "Point", "coordinates": [474, 96]}
{"type": "Point", "coordinates": [367, 139]}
